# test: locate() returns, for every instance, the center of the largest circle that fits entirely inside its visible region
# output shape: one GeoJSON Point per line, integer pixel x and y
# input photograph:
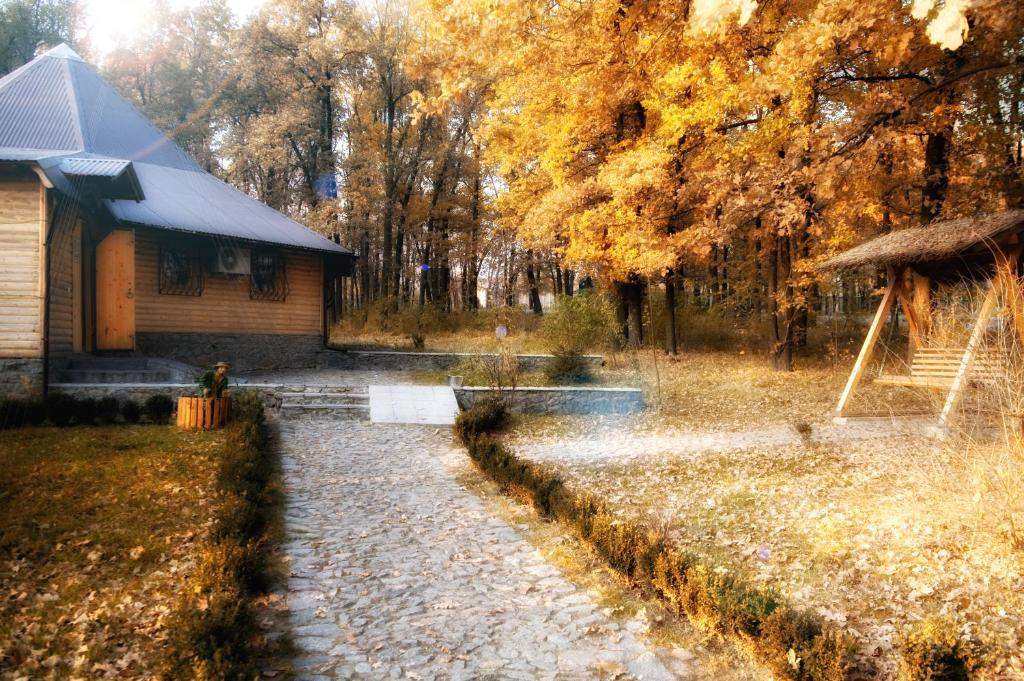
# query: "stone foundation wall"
{"type": "Point", "coordinates": [21, 378]}
{"type": "Point", "coordinates": [393, 360]}
{"type": "Point", "coordinates": [243, 352]}
{"type": "Point", "coordinates": [271, 394]}
{"type": "Point", "coordinates": [539, 400]}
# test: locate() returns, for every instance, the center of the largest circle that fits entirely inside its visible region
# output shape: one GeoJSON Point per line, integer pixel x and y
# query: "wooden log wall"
{"type": "Point", "coordinates": [225, 305]}
{"type": "Point", "coordinates": [22, 216]}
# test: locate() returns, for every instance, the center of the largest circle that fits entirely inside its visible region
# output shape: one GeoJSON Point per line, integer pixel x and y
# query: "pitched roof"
{"type": "Point", "coordinates": [932, 243]}
{"type": "Point", "coordinates": [58, 111]}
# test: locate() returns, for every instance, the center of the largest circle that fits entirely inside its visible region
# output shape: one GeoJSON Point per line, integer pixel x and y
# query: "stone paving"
{"type": "Point", "coordinates": [398, 572]}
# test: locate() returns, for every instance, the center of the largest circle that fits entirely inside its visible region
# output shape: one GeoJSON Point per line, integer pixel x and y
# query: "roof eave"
{"type": "Point", "coordinates": [341, 251]}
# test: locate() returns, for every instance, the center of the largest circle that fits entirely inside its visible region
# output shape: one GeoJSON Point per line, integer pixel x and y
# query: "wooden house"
{"type": "Point", "coordinates": [113, 240]}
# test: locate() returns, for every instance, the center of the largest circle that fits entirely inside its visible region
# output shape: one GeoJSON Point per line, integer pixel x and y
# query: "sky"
{"type": "Point", "coordinates": [110, 22]}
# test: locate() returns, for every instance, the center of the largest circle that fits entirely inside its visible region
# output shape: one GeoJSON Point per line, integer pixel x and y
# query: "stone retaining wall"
{"type": "Point", "coordinates": [21, 378]}
{"type": "Point", "coordinates": [244, 352]}
{"type": "Point", "coordinates": [394, 360]}
{"type": "Point", "coordinates": [542, 400]}
{"type": "Point", "coordinates": [271, 393]}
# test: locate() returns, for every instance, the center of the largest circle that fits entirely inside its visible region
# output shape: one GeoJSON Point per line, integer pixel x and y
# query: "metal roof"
{"type": "Point", "coordinates": [104, 178]}
{"type": "Point", "coordinates": [94, 167]}
{"type": "Point", "coordinates": [57, 110]}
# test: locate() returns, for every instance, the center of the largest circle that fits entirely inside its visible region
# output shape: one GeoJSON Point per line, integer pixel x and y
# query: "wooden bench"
{"type": "Point", "coordinates": [936, 368]}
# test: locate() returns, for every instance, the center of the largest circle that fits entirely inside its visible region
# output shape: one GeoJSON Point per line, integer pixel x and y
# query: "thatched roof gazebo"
{"type": "Point", "coordinates": [985, 249]}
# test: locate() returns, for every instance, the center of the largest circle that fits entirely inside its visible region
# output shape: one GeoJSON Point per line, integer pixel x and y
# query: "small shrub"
{"type": "Point", "coordinates": [419, 341]}
{"type": "Point", "coordinates": [568, 367]}
{"type": "Point", "coordinates": [934, 650]}
{"type": "Point", "coordinates": [15, 413]}
{"type": "Point", "coordinates": [131, 412]}
{"type": "Point", "coordinates": [107, 409]}
{"type": "Point", "coordinates": [158, 408]}
{"type": "Point", "coordinates": [420, 320]}
{"type": "Point", "coordinates": [247, 405]}
{"type": "Point", "coordinates": [85, 411]}
{"type": "Point", "coordinates": [60, 409]}
{"type": "Point", "coordinates": [486, 416]}
{"type": "Point", "coordinates": [501, 370]}
{"type": "Point", "coordinates": [579, 323]}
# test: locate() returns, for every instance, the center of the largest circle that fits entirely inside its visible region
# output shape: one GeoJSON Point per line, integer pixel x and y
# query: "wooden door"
{"type": "Point", "coordinates": [115, 291]}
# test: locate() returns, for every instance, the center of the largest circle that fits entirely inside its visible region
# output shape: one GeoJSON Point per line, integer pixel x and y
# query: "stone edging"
{"type": "Point", "coordinates": [397, 360]}
{"type": "Point", "coordinates": [559, 400]}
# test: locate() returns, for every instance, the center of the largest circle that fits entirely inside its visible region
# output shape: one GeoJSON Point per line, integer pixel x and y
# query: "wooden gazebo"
{"type": "Point", "coordinates": [984, 250]}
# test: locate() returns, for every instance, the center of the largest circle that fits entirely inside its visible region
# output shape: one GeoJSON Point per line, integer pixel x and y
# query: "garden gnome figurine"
{"type": "Point", "coordinates": [215, 381]}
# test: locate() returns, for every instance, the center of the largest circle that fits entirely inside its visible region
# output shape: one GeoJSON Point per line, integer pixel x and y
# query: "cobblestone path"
{"type": "Point", "coordinates": [398, 572]}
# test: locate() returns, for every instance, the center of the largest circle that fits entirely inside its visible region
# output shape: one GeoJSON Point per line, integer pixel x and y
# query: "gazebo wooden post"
{"type": "Point", "coordinates": [905, 294]}
{"type": "Point", "coordinates": [988, 306]}
{"type": "Point", "coordinates": [868, 348]}
{"type": "Point", "coordinates": [1003, 281]}
{"type": "Point", "coordinates": [923, 304]}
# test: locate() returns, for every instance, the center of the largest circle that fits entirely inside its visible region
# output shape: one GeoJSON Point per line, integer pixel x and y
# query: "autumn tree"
{"type": "Point", "coordinates": [28, 25]}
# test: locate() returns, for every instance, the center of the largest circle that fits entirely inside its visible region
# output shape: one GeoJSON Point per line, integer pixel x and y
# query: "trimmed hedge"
{"type": "Point", "coordinates": [934, 650]}
{"type": "Point", "coordinates": [158, 408]}
{"type": "Point", "coordinates": [131, 412]}
{"type": "Point", "coordinates": [793, 643]}
{"type": "Point", "coordinates": [63, 409]}
{"type": "Point", "coordinates": [212, 627]}
{"type": "Point", "coordinates": [16, 413]}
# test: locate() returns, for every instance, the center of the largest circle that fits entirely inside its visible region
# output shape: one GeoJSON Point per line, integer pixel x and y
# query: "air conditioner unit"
{"type": "Point", "coordinates": [231, 260]}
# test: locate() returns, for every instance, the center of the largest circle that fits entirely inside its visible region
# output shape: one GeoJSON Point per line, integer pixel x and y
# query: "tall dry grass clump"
{"type": "Point", "coordinates": [980, 465]}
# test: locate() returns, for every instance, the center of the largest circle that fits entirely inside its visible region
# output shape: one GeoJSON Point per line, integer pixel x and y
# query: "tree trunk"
{"type": "Point", "coordinates": [781, 350]}
{"type": "Point", "coordinates": [936, 176]}
{"type": "Point", "coordinates": [364, 269]}
{"type": "Point", "coordinates": [622, 309]}
{"type": "Point", "coordinates": [470, 299]}
{"type": "Point", "coordinates": [636, 313]}
{"type": "Point", "coordinates": [531, 278]}
{"type": "Point", "coordinates": [671, 345]}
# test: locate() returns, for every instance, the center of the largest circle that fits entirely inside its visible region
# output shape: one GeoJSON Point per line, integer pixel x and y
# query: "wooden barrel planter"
{"type": "Point", "coordinates": [203, 413]}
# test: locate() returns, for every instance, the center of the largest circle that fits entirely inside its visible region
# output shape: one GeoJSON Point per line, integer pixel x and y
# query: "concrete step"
{"type": "Point", "coordinates": [358, 412]}
{"type": "Point", "coordinates": [357, 391]}
{"type": "Point", "coordinates": [325, 404]}
{"type": "Point", "coordinates": [325, 398]}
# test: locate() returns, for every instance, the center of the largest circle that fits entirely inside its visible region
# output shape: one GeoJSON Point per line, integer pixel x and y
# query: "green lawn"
{"type": "Point", "coordinates": [98, 527]}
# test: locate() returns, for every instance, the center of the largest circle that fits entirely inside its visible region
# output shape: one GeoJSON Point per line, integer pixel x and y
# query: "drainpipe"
{"type": "Point", "coordinates": [47, 185]}
{"type": "Point", "coordinates": [50, 219]}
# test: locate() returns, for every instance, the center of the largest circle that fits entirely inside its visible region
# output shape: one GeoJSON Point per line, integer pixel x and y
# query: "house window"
{"type": "Point", "coordinates": [267, 279]}
{"type": "Point", "coordinates": [181, 273]}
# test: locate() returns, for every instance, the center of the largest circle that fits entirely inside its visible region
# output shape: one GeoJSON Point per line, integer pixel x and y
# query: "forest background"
{"type": "Point", "coordinates": [708, 153]}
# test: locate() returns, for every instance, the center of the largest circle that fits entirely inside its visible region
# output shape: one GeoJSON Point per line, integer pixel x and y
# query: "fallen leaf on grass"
{"type": "Point", "coordinates": [136, 553]}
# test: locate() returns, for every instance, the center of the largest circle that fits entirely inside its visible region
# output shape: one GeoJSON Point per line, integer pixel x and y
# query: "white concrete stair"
{"type": "Point", "coordinates": [424, 404]}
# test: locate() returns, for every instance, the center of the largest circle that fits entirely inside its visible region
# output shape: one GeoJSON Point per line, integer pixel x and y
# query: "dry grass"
{"type": "Point", "coordinates": [840, 530]}
{"type": "Point", "coordinates": [98, 527]}
{"type": "Point", "coordinates": [876, 536]}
